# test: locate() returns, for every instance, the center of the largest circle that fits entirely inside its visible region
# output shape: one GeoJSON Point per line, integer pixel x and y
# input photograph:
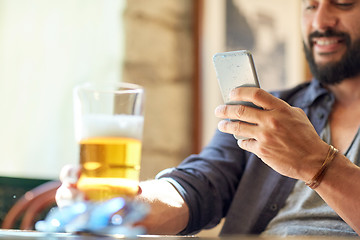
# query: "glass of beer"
{"type": "Point", "coordinates": [108, 127]}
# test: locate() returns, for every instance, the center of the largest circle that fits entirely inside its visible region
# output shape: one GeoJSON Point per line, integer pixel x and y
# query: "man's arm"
{"type": "Point", "coordinates": [284, 138]}
{"type": "Point", "coordinates": [340, 190]}
{"type": "Point", "coordinates": [169, 213]}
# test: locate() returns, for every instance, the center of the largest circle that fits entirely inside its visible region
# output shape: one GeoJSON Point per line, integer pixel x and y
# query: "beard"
{"type": "Point", "coordinates": [334, 73]}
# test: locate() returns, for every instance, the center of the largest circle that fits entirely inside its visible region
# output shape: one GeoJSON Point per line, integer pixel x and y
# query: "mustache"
{"type": "Point", "coordinates": [329, 33]}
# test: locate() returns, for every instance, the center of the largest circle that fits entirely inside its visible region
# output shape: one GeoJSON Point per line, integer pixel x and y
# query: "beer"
{"type": "Point", "coordinates": [110, 153]}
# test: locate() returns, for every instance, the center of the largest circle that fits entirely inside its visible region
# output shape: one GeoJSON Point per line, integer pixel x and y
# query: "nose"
{"type": "Point", "coordinates": [324, 18]}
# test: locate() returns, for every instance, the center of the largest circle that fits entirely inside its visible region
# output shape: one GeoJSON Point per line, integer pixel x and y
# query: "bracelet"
{"type": "Point", "coordinates": [315, 181]}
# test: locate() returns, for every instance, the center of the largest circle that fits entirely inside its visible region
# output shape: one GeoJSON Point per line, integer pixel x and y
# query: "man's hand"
{"type": "Point", "coordinates": [281, 135]}
{"type": "Point", "coordinates": [168, 212]}
{"type": "Point", "coordinates": [68, 193]}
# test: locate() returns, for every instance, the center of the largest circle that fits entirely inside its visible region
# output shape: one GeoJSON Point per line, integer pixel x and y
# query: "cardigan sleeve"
{"type": "Point", "coordinates": [208, 181]}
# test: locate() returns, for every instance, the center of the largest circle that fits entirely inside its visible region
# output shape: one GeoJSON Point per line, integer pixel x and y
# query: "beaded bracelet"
{"type": "Point", "coordinates": [315, 181]}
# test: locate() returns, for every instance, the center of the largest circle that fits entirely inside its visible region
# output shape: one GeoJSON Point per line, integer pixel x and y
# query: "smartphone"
{"type": "Point", "coordinates": [235, 69]}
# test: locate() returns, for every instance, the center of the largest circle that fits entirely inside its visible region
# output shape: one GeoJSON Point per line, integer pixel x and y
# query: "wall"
{"type": "Point", "coordinates": [46, 47]}
{"type": "Point", "coordinates": [269, 29]}
{"type": "Point", "coordinates": [159, 56]}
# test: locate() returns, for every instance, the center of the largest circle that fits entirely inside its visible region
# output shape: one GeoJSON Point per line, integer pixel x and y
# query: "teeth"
{"type": "Point", "coordinates": [326, 42]}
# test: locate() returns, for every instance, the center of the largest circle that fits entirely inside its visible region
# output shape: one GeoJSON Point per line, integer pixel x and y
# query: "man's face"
{"type": "Point", "coordinates": [332, 38]}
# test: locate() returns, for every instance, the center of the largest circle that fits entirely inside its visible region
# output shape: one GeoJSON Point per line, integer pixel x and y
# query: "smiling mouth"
{"type": "Point", "coordinates": [327, 45]}
{"type": "Point", "coordinates": [323, 42]}
{"type": "Point", "coordinates": [328, 39]}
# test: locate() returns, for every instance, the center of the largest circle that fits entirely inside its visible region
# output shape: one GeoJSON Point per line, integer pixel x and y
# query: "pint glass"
{"type": "Point", "coordinates": [108, 127]}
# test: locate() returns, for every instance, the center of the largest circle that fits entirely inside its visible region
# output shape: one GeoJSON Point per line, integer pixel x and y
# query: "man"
{"type": "Point", "coordinates": [258, 184]}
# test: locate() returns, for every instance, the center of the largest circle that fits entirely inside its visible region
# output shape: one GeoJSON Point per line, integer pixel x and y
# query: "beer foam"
{"type": "Point", "coordinates": [99, 125]}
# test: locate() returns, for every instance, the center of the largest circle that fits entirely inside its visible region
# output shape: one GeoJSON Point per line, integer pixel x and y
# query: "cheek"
{"type": "Point", "coordinates": [305, 32]}
{"type": "Point", "coordinates": [350, 25]}
{"type": "Point", "coordinates": [356, 33]}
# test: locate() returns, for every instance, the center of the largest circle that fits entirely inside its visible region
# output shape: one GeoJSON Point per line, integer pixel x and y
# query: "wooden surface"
{"type": "Point", "coordinates": [20, 234]}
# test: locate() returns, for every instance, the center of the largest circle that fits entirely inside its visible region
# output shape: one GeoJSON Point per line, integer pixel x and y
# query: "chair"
{"type": "Point", "coordinates": [30, 205]}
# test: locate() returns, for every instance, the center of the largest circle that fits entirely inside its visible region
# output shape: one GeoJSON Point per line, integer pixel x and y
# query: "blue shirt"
{"type": "Point", "coordinates": [226, 181]}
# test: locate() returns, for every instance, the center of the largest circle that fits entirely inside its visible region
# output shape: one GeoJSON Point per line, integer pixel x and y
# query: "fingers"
{"type": "Point", "coordinates": [248, 144]}
{"type": "Point", "coordinates": [139, 190]}
{"type": "Point", "coordinates": [67, 193]}
{"type": "Point", "coordinates": [251, 120]}
{"type": "Point", "coordinates": [69, 174]}
{"type": "Point", "coordinates": [239, 128]}
{"type": "Point", "coordinates": [239, 112]}
{"type": "Point", "coordinates": [257, 96]}
{"type": "Point", "coordinates": [245, 120]}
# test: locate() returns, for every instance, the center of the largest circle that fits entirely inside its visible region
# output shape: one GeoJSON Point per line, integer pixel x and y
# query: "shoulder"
{"type": "Point", "coordinates": [302, 95]}
{"type": "Point", "coordinates": [293, 93]}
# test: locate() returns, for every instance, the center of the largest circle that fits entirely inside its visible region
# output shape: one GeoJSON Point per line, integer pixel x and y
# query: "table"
{"type": "Point", "coordinates": [34, 235]}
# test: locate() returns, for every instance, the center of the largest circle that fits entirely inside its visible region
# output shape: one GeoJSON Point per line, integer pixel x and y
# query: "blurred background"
{"type": "Point", "coordinates": [49, 46]}
{"type": "Point", "coordinates": [46, 47]}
